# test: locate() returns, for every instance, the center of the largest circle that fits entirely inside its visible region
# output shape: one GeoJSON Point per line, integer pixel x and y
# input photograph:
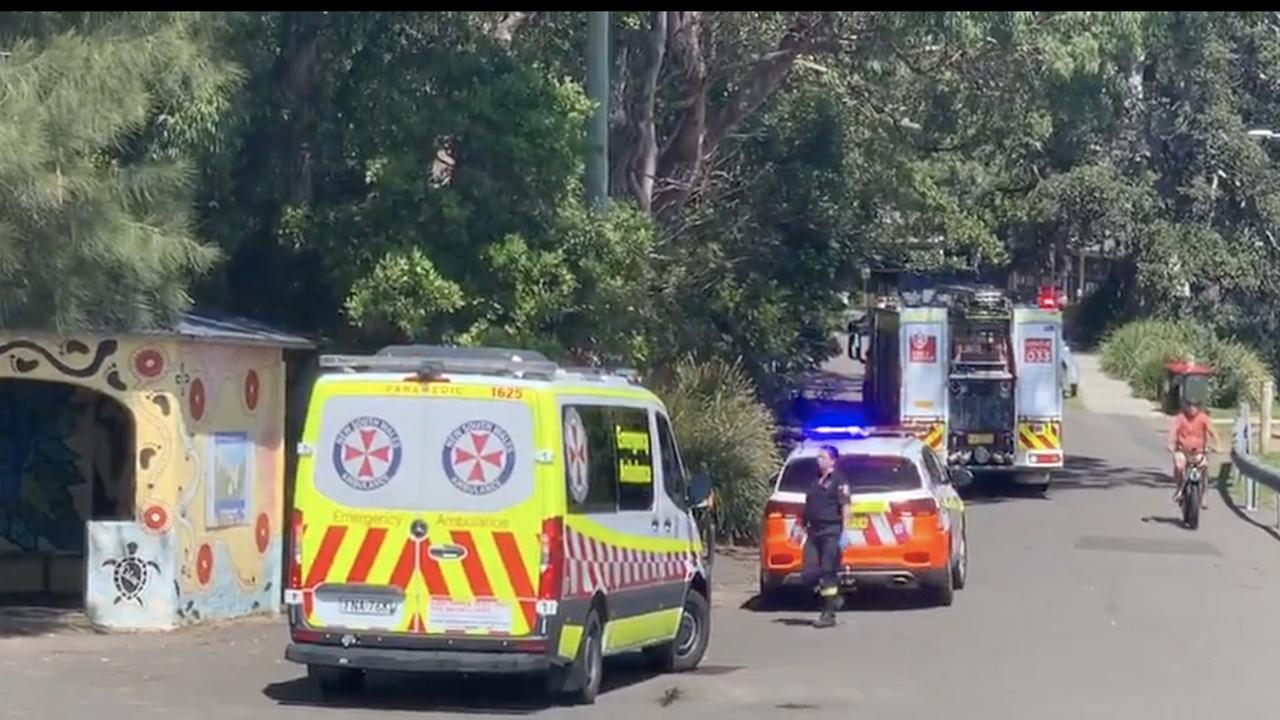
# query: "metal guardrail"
{"type": "Point", "coordinates": [1254, 471]}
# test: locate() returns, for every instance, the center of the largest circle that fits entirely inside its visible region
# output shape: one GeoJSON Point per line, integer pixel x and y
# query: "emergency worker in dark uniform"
{"type": "Point", "coordinates": [824, 511]}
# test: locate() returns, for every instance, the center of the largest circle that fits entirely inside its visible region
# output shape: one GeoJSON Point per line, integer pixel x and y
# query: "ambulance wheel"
{"type": "Point", "coordinates": [336, 681]}
{"type": "Point", "coordinates": [940, 586]}
{"type": "Point", "coordinates": [686, 651]}
{"type": "Point", "coordinates": [589, 668]}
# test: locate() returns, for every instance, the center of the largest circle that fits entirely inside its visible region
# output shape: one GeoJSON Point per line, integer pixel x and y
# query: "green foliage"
{"type": "Point", "coordinates": [95, 195]}
{"type": "Point", "coordinates": [1137, 353]}
{"type": "Point", "coordinates": [406, 292]}
{"type": "Point", "coordinates": [724, 431]}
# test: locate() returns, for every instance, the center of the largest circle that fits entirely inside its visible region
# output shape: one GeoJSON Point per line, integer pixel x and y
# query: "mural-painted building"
{"type": "Point", "coordinates": [145, 473]}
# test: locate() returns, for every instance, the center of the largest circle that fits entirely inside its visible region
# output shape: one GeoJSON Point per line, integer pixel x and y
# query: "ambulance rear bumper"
{"type": "Point", "coordinates": [425, 661]}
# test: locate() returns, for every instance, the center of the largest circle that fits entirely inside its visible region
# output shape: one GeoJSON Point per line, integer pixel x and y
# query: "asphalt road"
{"type": "Point", "coordinates": [1090, 603]}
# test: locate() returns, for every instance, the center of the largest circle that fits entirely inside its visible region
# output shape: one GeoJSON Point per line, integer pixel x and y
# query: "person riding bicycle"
{"type": "Point", "coordinates": [1189, 433]}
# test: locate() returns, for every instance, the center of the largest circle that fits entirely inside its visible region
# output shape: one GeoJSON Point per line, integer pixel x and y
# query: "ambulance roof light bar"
{"type": "Point", "coordinates": [627, 375]}
{"type": "Point", "coordinates": [428, 365]}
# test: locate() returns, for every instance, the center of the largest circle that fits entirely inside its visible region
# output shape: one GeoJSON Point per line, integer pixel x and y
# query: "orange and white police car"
{"type": "Point", "coordinates": [906, 523]}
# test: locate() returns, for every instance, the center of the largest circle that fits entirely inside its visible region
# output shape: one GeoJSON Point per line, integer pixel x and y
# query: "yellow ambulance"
{"type": "Point", "coordinates": [486, 511]}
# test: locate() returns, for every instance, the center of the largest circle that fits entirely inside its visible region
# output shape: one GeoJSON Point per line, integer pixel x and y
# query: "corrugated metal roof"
{"type": "Point", "coordinates": [236, 330]}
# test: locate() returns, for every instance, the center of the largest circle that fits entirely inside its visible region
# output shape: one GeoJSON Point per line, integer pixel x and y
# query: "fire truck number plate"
{"type": "Point", "coordinates": [1037, 350]}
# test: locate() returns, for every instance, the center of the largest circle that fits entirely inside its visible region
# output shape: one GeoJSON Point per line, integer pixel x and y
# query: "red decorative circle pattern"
{"type": "Point", "coordinates": [155, 519]}
{"type": "Point", "coordinates": [252, 388]}
{"type": "Point", "coordinates": [195, 398]}
{"type": "Point", "coordinates": [262, 532]}
{"type": "Point", "coordinates": [204, 564]}
{"type": "Point", "coordinates": [148, 363]}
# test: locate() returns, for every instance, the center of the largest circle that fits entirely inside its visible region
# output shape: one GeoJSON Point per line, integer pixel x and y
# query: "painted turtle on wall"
{"type": "Point", "coordinates": [130, 574]}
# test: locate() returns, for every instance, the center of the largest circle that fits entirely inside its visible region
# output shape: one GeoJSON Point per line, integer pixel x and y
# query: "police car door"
{"type": "Point", "coordinates": [945, 493]}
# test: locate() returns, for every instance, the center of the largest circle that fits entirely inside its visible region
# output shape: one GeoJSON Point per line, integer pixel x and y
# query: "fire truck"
{"type": "Point", "coordinates": [977, 377]}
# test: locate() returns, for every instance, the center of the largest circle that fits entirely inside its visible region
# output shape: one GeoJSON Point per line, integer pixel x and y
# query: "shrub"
{"type": "Point", "coordinates": [725, 431]}
{"type": "Point", "coordinates": [1138, 352]}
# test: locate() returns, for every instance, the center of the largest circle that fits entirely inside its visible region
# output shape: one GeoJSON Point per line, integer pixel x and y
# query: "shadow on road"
{"type": "Point", "coordinates": [1081, 473]}
{"type": "Point", "coordinates": [21, 617]}
{"type": "Point", "coordinates": [792, 600]}
{"type": "Point", "coordinates": [1224, 492]}
{"type": "Point", "coordinates": [465, 695]}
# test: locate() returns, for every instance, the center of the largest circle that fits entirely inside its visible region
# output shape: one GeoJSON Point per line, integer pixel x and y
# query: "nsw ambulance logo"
{"type": "Point", "coordinates": [366, 453]}
{"type": "Point", "coordinates": [479, 457]}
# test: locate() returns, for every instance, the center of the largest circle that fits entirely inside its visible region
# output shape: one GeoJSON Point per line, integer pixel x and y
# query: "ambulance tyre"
{"type": "Point", "coordinates": [685, 652]}
{"type": "Point", "coordinates": [580, 683]}
{"type": "Point", "coordinates": [336, 681]}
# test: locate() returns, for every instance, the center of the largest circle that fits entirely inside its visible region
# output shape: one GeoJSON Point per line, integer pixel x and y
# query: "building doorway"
{"type": "Point", "coordinates": [66, 458]}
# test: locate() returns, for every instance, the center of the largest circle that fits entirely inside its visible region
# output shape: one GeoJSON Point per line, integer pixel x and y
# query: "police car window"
{"type": "Point", "coordinates": [877, 473]}
{"type": "Point", "coordinates": [936, 472]}
{"type": "Point", "coordinates": [799, 475]}
{"type": "Point", "coordinates": [608, 459]}
{"type": "Point", "coordinates": [673, 479]}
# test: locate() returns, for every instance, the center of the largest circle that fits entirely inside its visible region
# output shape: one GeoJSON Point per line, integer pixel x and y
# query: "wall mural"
{"type": "Point", "coordinates": [130, 579]}
{"type": "Point", "coordinates": [206, 474]}
{"type": "Point", "coordinates": [37, 468]}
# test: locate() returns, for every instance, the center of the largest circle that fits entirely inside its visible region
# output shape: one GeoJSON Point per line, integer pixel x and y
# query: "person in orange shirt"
{"type": "Point", "coordinates": [1190, 432]}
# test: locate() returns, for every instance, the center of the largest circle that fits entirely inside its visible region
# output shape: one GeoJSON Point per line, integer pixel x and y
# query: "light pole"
{"type": "Point", "coordinates": [598, 91]}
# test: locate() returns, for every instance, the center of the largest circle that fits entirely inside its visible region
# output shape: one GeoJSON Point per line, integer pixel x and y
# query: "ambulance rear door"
{"type": "Point", "coordinates": [423, 514]}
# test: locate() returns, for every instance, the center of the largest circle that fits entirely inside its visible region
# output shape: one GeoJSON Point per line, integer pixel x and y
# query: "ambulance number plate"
{"type": "Point", "coordinates": [367, 606]}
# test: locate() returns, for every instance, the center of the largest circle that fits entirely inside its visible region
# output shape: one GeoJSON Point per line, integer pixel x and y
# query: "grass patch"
{"type": "Point", "coordinates": [1138, 352]}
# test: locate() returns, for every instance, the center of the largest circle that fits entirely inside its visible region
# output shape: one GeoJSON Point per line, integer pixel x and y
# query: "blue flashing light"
{"type": "Point", "coordinates": [848, 431]}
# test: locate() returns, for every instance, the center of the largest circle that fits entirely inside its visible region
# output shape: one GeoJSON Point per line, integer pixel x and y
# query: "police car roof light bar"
{"type": "Point", "coordinates": [843, 431]}
{"type": "Point", "coordinates": [437, 365]}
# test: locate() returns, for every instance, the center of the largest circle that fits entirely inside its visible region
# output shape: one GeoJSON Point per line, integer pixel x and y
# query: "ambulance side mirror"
{"type": "Point", "coordinates": [699, 489]}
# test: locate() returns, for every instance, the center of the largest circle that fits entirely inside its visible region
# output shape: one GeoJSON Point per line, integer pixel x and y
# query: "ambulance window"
{"type": "Point", "coordinates": [672, 470]}
{"type": "Point", "coordinates": [591, 480]}
{"type": "Point", "coordinates": [635, 458]}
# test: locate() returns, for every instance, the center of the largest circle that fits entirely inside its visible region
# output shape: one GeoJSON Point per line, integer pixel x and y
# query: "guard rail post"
{"type": "Point", "coordinates": [1241, 443]}
{"type": "Point", "coordinates": [1264, 434]}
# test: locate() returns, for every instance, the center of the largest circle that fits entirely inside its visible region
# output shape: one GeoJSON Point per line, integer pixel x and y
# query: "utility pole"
{"type": "Point", "coordinates": [598, 125]}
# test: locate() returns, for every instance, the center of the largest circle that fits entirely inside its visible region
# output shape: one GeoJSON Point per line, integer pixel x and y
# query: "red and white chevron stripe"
{"type": "Point", "coordinates": [592, 564]}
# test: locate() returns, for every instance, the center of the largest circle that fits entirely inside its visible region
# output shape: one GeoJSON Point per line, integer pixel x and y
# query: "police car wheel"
{"type": "Point", "coordinates": [941, 587]}
{"type": "Point", "coordinates": [960, 573]}
{"type": "Point", "coordinates": [334, 681]}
